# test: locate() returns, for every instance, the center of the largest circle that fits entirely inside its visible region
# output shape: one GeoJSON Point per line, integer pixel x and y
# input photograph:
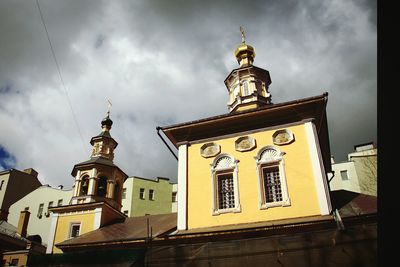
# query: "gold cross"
{"type": "Point", "coordinates": [109, 107]}
{"type": "Point", "coordinates": [243, 34]}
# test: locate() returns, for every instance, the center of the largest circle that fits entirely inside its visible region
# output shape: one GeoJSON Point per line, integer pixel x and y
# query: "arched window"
{"type": "Point", "coordinates": [225, 185]}
{"type": "Point", "coordinates": [84, 186]}
{"type": "Point", "coordinates": [246, 89]}
{"type": "Point", "coordinates": [102, 186]}
{"type": "Point", "coordinates": [272, 180]}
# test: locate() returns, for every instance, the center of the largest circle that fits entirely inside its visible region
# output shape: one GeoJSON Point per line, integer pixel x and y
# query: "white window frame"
{"type": "Point", "coordinates": [174, 197]}
{"type": "Point", "coordinates": [142, 190]}
{"type": "Point", "coordinates": [217, 168]}
{"type": "Point", "coordinates": [151, 194]}
{"type": "Point", "coordinates": [71, 225]}
{"type": "Point", "coordinates": [271, 156]}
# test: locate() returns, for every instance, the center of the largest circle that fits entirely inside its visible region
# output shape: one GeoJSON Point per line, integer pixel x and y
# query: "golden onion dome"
{"type": "Point", "coordinates": [245, 54]}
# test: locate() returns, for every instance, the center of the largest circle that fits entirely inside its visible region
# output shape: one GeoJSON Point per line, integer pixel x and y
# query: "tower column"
{"type": "Point", "coordinates": [110, 189]}
{"type": "Point", "coordinates": [77, 184]}
{"type": "Point", "coordinates": [93, 183]}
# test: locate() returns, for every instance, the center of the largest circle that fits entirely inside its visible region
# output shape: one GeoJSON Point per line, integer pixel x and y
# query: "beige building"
{"type": "Point", "coordinates": [14, 185]}
{"type": "Point", "coordinates": [359, 173]}
{"type": "Point", "coordinates": [37, 203]}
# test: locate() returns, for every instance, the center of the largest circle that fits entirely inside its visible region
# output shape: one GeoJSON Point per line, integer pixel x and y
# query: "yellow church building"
{"type": "Point", "coordinates": [259, 162]}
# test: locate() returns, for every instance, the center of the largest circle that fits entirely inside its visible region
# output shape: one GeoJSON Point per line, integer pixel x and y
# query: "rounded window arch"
{"type": "Point", "coordinates": [224, 175]}
{"type": "Point", "coordinates": [246, 88]}
{"type": "Point", "coordinates": [272, 178]}
{"type": "Point", "coordinates": [84, 185]}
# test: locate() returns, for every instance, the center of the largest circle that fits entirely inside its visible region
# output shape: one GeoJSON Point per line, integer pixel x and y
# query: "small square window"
{"type": "Point", "coordinates": [26, 209]}
{"type": "Point", "coordinates": [344, 175]}
{"type": "Point", "coordinates": [74, 230]}
{"type": "Point", "coordinates": [151, 194]}
{"type": "Point", "coordinates": [126, 212]}
{"type": "Point", "coordinates": [174, 197]}
{"type": "Point", "coordinates": [59, 203]}
{"type": "Point", "coordinates": [123, 193]}
{"type": "Point", "coordinates": [141, 193]}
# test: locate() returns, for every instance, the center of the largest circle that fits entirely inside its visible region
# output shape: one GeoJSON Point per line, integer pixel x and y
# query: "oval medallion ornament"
{"type": "Point", "coordinates": [210, 150]}
{"type": "Point", "coordinates": [245, 143]}
{"type": "Point", "coordinates": [282, 137]}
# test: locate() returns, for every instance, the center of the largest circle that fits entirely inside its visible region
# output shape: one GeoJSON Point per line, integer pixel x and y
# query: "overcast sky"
{"type": "Point", "coordinates": [164, 62]}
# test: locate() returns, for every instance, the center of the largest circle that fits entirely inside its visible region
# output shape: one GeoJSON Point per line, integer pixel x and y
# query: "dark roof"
{"type": "Point", "coordinates": [103, 134]}
{"type": "Point", "coordinates": [353, 204]}
{"type": "Point", "coordinates": [132, 228]}
{"type": "Point", "coordinates": [97, 160]}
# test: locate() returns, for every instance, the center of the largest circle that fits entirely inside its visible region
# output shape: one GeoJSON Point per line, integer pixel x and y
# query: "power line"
{"type": "Point", "coordinates": [61, 78]}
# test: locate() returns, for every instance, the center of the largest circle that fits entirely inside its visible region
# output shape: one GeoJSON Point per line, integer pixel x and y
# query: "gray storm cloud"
{"type": "Point", "coordinates": [164, 62]}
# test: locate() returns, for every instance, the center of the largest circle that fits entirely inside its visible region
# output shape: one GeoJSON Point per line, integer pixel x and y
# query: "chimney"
{"type": "Point", "coordinates": [23, 223]}
{"type": "Point", "coordinates": [32, 172]}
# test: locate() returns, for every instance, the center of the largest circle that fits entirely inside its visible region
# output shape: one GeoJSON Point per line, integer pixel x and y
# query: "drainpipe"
{"type": "Point", "coordinates": [23, 223]}
{"type": "Point", "coordinates": [172, 152]}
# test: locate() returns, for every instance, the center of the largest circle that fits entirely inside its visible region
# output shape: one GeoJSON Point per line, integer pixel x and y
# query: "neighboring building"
{"type": "Point", "coordinates": [97, 195]}
{"type": "Point", "coordinates": [14, 185]}
{"type": "Point", "coordinates": [141, 196]}
{"type": "Point", "coordinates": [16, 246]}
{"type": "Point", "coordinates": [359, 173]}
{"type": "Point", "coordinates": [38, 203]}
{"type": "Point", "coordinates": [175, 198]}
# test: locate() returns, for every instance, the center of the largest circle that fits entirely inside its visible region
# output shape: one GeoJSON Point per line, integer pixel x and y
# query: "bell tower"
{"type": "Point", "coordinates": [247, 85]}
{"type": "Point", "coordinates": [97, 195]}
{"type": "Point", "coordinates": [99, 179]}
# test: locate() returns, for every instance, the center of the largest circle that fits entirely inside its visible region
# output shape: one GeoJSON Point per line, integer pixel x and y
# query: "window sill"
{"type": "Point", "coordinates": [285, 203]}
{"type": "Point", "coordinates": [223, 211]}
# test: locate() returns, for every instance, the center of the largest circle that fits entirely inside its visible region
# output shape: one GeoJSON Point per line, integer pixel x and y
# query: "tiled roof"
{"type": "Point", "coordinates": [133, 228]}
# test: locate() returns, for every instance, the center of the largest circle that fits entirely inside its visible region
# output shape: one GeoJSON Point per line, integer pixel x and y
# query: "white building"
{"type": "Point", "coordinates": [37, 203]}
{"type": "Point", "coordinates": [359, 173]}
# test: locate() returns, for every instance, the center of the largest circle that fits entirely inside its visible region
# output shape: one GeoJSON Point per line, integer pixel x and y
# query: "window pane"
{"type": "Point", "coordinates": [272, 184]}
{"type": "Point", "coordinates": [344, 175]}
{"type": "Point", "coordinates": [151, 194]}
{"type": "Point", "coordinates": [174, 195]}
{"type": "Point", "coordinates": [226, 194]}
{"type": "Point", "coordinates": [123, 193]}
{"type": "Point", "coordinates": [75, 230]}
{"type": "Point", "coordinates": [59, 203]}
{"type": "Point", "coordinates": [40, 210]}
{"type": "Point", "coordinates": [141, 193]}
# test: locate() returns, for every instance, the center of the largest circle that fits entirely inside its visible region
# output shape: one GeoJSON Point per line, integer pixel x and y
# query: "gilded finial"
{"type": "Point", "coordinates": [243, 34]}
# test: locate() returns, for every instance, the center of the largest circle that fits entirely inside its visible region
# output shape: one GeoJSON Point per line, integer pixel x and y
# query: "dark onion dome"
{"type": "Point", "coordinates": [107, 122]}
